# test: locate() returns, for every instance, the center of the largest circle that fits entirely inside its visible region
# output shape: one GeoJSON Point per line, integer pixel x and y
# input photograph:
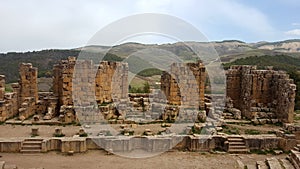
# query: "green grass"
{"type": "Point", "coordinates": [83, 135]}
{"type": "Point", "coordinates": [230, 130]}
{"type": "Point", "coordinates": [150, 72]}
{"type": "Point", "coordinates": [8, 88]}
{"type": "Point", "coordinates": [252, 132]}
{"type": "Point", "coordinates": [58, 135]}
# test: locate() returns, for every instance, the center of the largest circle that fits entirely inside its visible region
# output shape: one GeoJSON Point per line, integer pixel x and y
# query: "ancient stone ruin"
{"type": "Point", "coordinates": [24, 98]}
{"type": "Point", "coordinates": [109, 84]}
{"type": "Point", "coordinates": [184, 84]}
{"type": "Point", "coordinates": [263, 95]}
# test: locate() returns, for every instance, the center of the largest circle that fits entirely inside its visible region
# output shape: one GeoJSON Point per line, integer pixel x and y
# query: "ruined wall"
{"type": "Point", "coordinates": [261, 93]}
{"type": "Point", "coordinates": [2, 87]}
{"type": "Point", "coordinates": [104, 83]}
{"type": "Point", "coordinates": [8, 102]}
{"type": "Point", "coordinates": [111, 82]}
{"type": "Point", "coordinates": [62, 80]}
{"type": "Point", "coordinates": [28, 90]}
{"type": "Point", "coordinates": [28, 81]}
{"type": "Point", "coordinates": [184, 84]}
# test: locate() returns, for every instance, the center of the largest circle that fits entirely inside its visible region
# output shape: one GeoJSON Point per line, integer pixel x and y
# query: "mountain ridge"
{"type": "Point", "coordinates": [228, 50]}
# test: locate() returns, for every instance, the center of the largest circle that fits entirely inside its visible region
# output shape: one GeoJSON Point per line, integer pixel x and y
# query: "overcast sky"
{"type": "Point", "coordinates": [40, 24]}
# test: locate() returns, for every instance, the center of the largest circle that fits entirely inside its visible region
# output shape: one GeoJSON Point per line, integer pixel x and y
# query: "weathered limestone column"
{"type": "Point", "coordinates": [28, 81]}
{"type": "Point", "coordinates": [2, 87]}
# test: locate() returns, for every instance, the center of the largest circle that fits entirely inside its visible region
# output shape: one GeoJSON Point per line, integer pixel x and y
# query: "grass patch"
{"type": "Point", "coordinates": [262, 152]}
{"type": "Point", "coordinates": [230, 130]}
{"type": "Point", "coordinates": [252, 132]}
{"type": "Point", "coordinates": [271, 132]}
{"type": "Point", "coordinates": [58, 135]}
{"type": "Point", "coordinates": [34, 135]}
{"type": "Point", "coordinates": [297, 118]}
{"type": "Point", "coordinates": [8, 88]}
{"type": "Point", "coordinates": [83, 135]}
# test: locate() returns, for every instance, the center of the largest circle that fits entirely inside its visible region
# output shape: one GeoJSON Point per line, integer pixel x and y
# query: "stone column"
{"type": "Point", "coordinates": [28, 81]}
{"type": "Point", "coordinates": [2, 87]}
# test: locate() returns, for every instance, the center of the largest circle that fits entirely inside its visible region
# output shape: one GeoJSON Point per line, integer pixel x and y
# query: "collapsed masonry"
{"type": "Point", "coordinates": [24, 100]}
{"type": "Point", "coordinates": [261, 95]}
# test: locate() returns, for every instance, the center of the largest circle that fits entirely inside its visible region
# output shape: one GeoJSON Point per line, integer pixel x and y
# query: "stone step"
{"type": "Point", "coordinates": [34, 139]}
{"type": "Point", "coordinates": [273, 163]}
{"type": "Point", "coordinates": [31, 147]}
{"type": "Point", "coordinates": [238, 150]}
{"type": "Point", "coordinates": [238, 147]}
{"type": "Point", "coordinates": [251, 166]}
{"type": "Point", "coordinates": [31, 151]}
{"type": "Point", "coordinates": [286, 164]}
{"type": "Point", "coordinates": [31, 142]}
{"type": "Point", "coordinates": [236, 143]}
{"type": "Point", "coordinates": [235, 139]}
{"type": "Point", "coordinates": [295, 158]}
{"type": "Point", "coordinates": [261, 165]}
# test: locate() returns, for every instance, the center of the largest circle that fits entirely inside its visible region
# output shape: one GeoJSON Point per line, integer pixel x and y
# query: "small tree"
{"type": "Point", "coordinates": [146, 87]}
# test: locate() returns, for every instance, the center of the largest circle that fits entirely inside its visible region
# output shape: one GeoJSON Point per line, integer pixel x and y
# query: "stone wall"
{"type": "Point", "coordinates": [28, 82]}
{"type": "Point", "coordinates": [25, 100]}
{"type": "Point", "coordinates": [62, 80]}
{"type": "Point", "coordinates": [184, 88]}
{"type": "Point", "coordinates": [28, 90]}
{"type": "Point", "coordinates": [2, 87]}
{"type": "Point", "coordinates": [184, 84]}
{"type": "Point", "coordinates": [203, 143]}
{"type": "Point", "coordinates": [104, 83]}
{"type": "Point", "coordinates": [8, 102]}
{"type": "Point", "coordinates": [261, 93]}
{"type": "Point", "coordinates": [111, 82]}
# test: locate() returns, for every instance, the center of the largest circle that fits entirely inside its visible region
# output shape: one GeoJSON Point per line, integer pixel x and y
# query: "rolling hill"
{"type": "Point", "coordinates": [228, 51]}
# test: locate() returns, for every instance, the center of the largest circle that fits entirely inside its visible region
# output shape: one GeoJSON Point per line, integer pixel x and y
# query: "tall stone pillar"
{"type": "Point", "coordinates": [28, 82]}
{"type": "Point", "coordinates": [2, 87]}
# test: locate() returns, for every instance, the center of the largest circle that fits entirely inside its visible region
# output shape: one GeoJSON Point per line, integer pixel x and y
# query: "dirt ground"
{"type": "Point", "coordinates": [99, 159]}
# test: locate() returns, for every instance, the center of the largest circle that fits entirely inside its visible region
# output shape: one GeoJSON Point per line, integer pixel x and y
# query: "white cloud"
{"type": "Point", "coordinates": [33, 25]}
{"type": "Point", "coordinates": [294, 32]}
{"type": "Point", "coordinates": [295, 24]}
{"type": "Point", "coordinates": [215, 15]}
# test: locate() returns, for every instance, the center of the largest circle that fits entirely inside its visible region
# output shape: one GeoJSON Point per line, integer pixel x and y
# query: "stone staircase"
{"type": "Point", "coordinates": [32, 145]}
{"type": "Point", "coordinates": [271, 163]}
{"type": "Point", "coordinates": [236, 144]}
{"type": "Point", "coordinates": [295, 156]}
{"type": "Point", "coordinates": [291, 162]}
